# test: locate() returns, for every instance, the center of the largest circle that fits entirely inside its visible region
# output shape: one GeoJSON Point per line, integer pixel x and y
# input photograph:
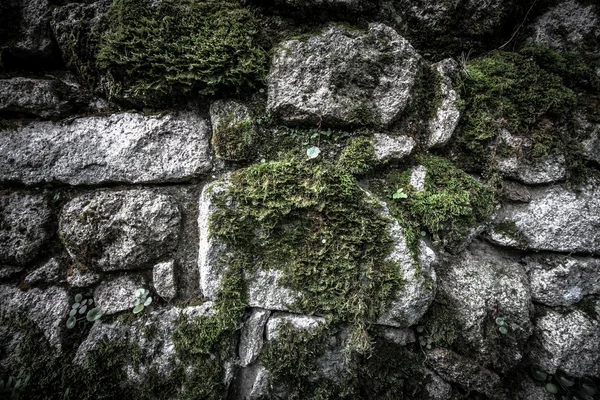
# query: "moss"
{"type": "Point", "coordinates": [510, 230]}
{"type": "Point", "coordinates": [441, 323]}
{"type": "Point", "coordinates": [450, 204]}
{"type": "Point", "coordinates": [153, 51]}
{"type": "Point", "coordinates": [507, 91]}
{"type": "Point", "coordinates": [311, 221]}
{"type": "Point", "coordinates": [358, 157]}
{"type": "Point", "coordinates": [234, 141]}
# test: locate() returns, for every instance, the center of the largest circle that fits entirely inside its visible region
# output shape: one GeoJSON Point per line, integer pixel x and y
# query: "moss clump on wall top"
{"type": "Point", "coordinates": [328, 237]}
{"type": "Point", "coordinates": [507, 91]}
{"type": "Point", "coordinates": [153, 50]}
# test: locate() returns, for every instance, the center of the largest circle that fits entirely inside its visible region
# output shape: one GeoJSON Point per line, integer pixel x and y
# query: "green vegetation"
{"type": "Point", "coordinates": [142, 301]}
{"type": "Point", "coordinates": [327, 236]}
{"type": "Point", "coordinates": [450, 204]}
{"type": "Point", "coordinates": [234, 141]}
{"type": "Point", "coordinates": [510, 230]}
{"type": "Point", "coordinates": [507, 91]}
{"type": "Point", "coordinates": [153, 51]}
{"type": "Point", "coordinates": [80, 307]}
{"type": "Point", "coordinates": [358, 157]}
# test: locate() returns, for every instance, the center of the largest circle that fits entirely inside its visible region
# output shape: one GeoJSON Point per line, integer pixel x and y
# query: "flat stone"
{"type": "Point", "coordinates": [24, 227]}
{"type": "Point", "coordinates": [561, 280]}
{"type": "Point", "coordinates": [342, 78]}
{"type": "Point", "coordinates": [163, 278]}
{"type": "Point", "coordinates": [303, 323]}
{"type": "Point", "coordinates": [251, 337]}
{"type": "Point", "coordinates": [44, 98]}
{"type": "Point", "coordinates": [447, 114]}
{"type": "Point", "coordinates": [120, 230]}
{"type": "Point", "coordinates": [114, 295]}
{"type": "Point", "coordinates": [52, 271]}
{"type": "Point", "coordinates": [128, 148]}
{"type": "Point", "coordinates": [82, 279]}
{"type": "Point", "coordinates": [392, 148]}
{"type": "Point", "coordinates": [556, 219]}
{"type": "Point", "coordinates": [569, 341]}
{"type": "Point", "coordinates": [48, 309]}
{"type": "Point", "coordinates": [545, 169]}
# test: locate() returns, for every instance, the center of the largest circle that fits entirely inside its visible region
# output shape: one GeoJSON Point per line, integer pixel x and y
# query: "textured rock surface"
{"type": "Point", "coordinates": [122, 230]}
{"type": "Point", "coordinates": [558, 280]}
{"type": "Point", "coordinates": [48, 309]}
{"type": "Point", "coordinates": [119, 148]}
{"type": "Point", "coordinates": [234, 133]}
{"type": "Point", "coordinates": [298, 322]}
{"type": "Point", "coordinates": [392, 148]}
{"type": "Point", "coordinates": [114, 295]}
{"type": "Point", "coordinates": [163, 278]}
{"type": "Point", "coordinates": [482, 285]}
{"type": "Point", "coordinates": [251, 338]}
{"type": "Point", "coordinates": [567, 25]}
{"type": "Point", "coordinates": [569, 341]}
{"type": "Point", "coordinates": [447, 114]}
{"type": "Point", "coordinates": [343, 77]}
{"type": "Point", "coordinates": [44, 98]}
{"type": "Point", "coordinates": [82, 279]}
{"type": "Point", "coordinates": [52, 271]}
{"type": "Point", "coordinates": [556, 219]}
{"type": "Point", "coordinates": [591, 142]}
{"type": "Point", "coordinates": [24, 227]}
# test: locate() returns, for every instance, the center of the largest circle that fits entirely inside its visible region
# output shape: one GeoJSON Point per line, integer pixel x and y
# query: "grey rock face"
{"type": "Point", "coordinates": [467, 373]}
{"type": "Point", "coordinates": [44, 98]}
{"type": "Point", "coordinates": [482, 285]}
{"type": "Point", "coordinates": [591, 142]}
{"type": "Point", "coordinates": [400, 337]}
{"type": "Point", "coordinates": [24, 229]}
{"type": "Point", "coordinates": [568, 341]}
{"type": "Point", "coordinates": [442, 126]}
{"type": "Point", "coordinates": [82, 279]}
{"type": "Point", "coordinates": [251, 338]}
{"type": "Point", "coordinates": [122, 230]}
{"type": "Point", "coordinates": [52, 271]}
{"type": "Point", "coordinates": [559, 280]}
{"type": "Point", "coordinates": [343, 78]}
{"type": "Point", "coordinates": [514, 191]}
{"type": "Point", "coordinates": [567, 25]}
{"type": "Point", "coordinates": [234, 133]}
{"type": "Point", "coordinates": [417, 177]}
{"type": "Point", "coordinates": [48, 309]}
{"type": "Point", "coordinates": [299, 322]}
{"type": "Point", "coordinates": [556, 219]}
{"type": "Point", "coordinates": [117, 294]}
{"type": "Point", "coordinates": [163, 277]}
{"type": "Point", "coordinates": [392, 148]}
{"type": "Point", "coordinates": [266, 291]}
{"type": "Point", "coordinates": [128, 148]}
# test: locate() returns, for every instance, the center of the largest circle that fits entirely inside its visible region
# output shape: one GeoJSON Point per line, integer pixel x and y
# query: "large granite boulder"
{"type": "Point", "coordinates": [122, 230]}
{"type": "Point", "coordinates": [343, 78]}
{"type": "Point", "coordinates": [24, 227]}
{"type": "Point", "coordinates": [130, 148]}
{"type": "Point", "coordinates": [556, 219]}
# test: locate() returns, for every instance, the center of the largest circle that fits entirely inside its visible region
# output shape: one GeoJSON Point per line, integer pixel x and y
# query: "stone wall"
{"type": "Point", "coordinates": [299, 199]}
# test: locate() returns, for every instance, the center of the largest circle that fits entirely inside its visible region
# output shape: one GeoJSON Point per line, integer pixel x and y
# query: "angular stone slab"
{"type": "Point", "coordinates": [447, 114]}
{"type": "Point", "coordinates": [129, 148]}
{"type": "Point", "coordinates": [343, 78]}
{"type": "Point", "coordinates": [556, 219]}
{"type": "Point", "coordinates": [123, 230]}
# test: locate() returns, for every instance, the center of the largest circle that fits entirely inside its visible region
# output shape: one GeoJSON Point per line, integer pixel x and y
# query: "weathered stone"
{"type": "Point", "coordinates": [163, 278]}
{"type": "Point", "coordinates": [122, 230]}
{"type": "Point", "coordinates": [24, 227]}
{"type": "Point", "coordinates": [560, 280]}
{"type": "Point", "coordinates": [514, 191]}
{"type": "Point", "coordinates": [251, 338]}
{"type": "Point", "coordinates": [436, 387]}
{"type": "Point", "coordinates": [590, 132]}
{"type": "Point", "coordinates": [8, 271]}
{"type": "Point", "coordinates": [400, 337]}
{"type": "Point", "coordinates": [392, 148]}
{"type": "Point", "coordinates": [556, 219]}
{"type": "Point", "coordinates": [567, 25]}
{"type": "Point", "coordinates": [117, 294]}
{"type": "Point", "coordinates": [447, 114]}
{"type": "Point", "coordinates": [467, 373]}
{"type": "Point", "coordinates": [44, 98]}
{"type": "Point", "coordinates": [234, 133]}
{"type": "Point", "coordinates": [128, 148]}
{"type": "Point", "coordinates": [546, 169]}
{"type": "Point", "coordinates": [417, 177]}
{"type": "Point", "coordinates": [48, 309]}
{"type": "Point", "coordinates": [527, 389]}
{"type": "Point", "coordinates": [305, 323]}
{"type": "Point", "coordinates": [343, 78]}
{"type": "Point", "coordinates": [481, 285]}
{"type": "Point", "coordinates": [52, 271]}
{"type": "Point", "coordinates": [82, 278]}
{"type": "Point", "coordinates": [570, 342]}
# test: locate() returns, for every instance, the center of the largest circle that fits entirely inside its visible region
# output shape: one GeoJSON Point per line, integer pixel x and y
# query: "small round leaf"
{"type": "Point", "coordinates": [148, 301]}
{"type": "Point", "coordinates": [71, 322]}
{"type": "Point", "coordinates": [538, 373]}
{"type": "Point", "coordinates": [499, 321]}
{"type": "Point", "coordinates": [75, 305]}
{"type": "Point", "coordinates": [313, 152]}
{"type": "Point", "coordinates": [82, 310]}
{"type": "Point", "coordinates": [551, 388]}
{"type": "Point", "coordinates": [137, 309]}
{"type": "Point", "coordinates": [72, 312]}
{"type": "Point", "coordinates": [94, 314]}
{"type": "Point", "coordinates": [420, 328]}
{"type": "Point", "coordinates": [90, 302]}
{"type": "Point", "coordinates": [83, 303]}
{"type": "Point", "coordinates": [503, 330]}
{"type": "Point", "coordinates": [138, 301]}
{"type": "Point", "coordinates": [78, 298]}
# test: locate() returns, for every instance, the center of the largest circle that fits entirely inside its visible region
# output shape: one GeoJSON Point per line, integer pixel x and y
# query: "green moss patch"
{"type": "Point", "coordinates": [311, 221]}
{"type": "Point", "coordinates": [152, 51]}
{"type": "Point", "coordinates": [234, 141]}
{"type": "Point", "coordinates": [450, 204]}
{"type": "Point", "coordinates": [358, 157]}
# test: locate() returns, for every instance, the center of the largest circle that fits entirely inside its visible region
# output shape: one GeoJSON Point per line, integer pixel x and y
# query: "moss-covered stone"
{"type": "Point", "coordinates": [152, 51]}
{"type": "Point", "coordinates": [234, 141]}
{"type": "Point", "coordinates": [358, 157]}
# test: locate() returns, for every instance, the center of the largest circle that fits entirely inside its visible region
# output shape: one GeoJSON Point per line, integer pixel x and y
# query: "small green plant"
{"type": "Point", "coordinates": [79, 308]}
{"type": "Point", "coordinates": [313, 152]}
{"type": "Point", "coordinates": [13, 386]}
{"type": "Point", "coordinates": [502, 327]}
{"type": "Point", "coordinates": [564, 386]}
{"type": "Point", "coordinates": [425, 340]}
{"type": "Point", "coordinates": [142, 301]}
{"type": "Point", "coordinates": [399, 194]}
